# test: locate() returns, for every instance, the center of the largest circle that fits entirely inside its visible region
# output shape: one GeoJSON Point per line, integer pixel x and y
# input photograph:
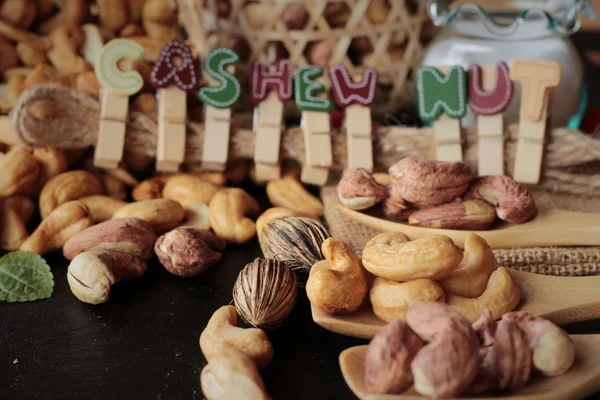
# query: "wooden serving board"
{"type": "Point", "coordinates": [583, 379]}
{"type": "Point", "coordinates": [562, 300]}
{"type": "Point", "coordinates": [550, 228]}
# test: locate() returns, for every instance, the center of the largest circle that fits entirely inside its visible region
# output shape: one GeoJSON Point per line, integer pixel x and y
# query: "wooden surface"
{"type": "Point", "coordinates": [580, 381]}
{"type": "Point", "coordinates": [549, 228]}
{"type": "Point", "coordinates": [563, 300]}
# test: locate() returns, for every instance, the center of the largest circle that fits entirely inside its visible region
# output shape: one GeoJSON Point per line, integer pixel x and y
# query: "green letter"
{"type": "Point", "coordinates": [228, 92]}
{"type": "Point", "coordinates": [306, 90]}
{"type": "Point", "coordinates": [437, 93]}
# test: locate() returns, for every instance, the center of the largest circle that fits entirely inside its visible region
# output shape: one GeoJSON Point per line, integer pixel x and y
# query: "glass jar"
{"type": "Point", "coordinates": [474, 35]}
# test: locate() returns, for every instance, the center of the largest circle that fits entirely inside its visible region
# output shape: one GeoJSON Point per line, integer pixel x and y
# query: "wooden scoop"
{"type": "Point", "coordinates": [550, 228]}
{"type": "Point", "coordinates": [583, 379]}
{"type": "Point", "coordinates": [562, 300]}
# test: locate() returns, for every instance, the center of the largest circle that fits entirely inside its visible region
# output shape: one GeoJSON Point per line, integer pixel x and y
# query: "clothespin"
{"type": "Point", "coordinates": [490, 93]}
{"type": "Point", "coordinates": [315, 124]}
{"type": "Point", "coordinates": [355, 97]}
{"type": "Point", "coordinates": [443, 90]}
{"type": "Point", "coordinates": [117, 86]}
{"type": "Point", "coordinates": [173, 75]}
{"type": "Point", "coordinates": [218, 100]}
{"type": "Point", "coordinates": [92, 43]}
{"type": "Point", "coordinates": [538, 79]}
{"type": "Point", "coordinates": [269, 91]}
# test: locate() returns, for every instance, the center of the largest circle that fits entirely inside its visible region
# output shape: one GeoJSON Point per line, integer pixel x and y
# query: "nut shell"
{"type": "Point", "coordinates": [358, 190]}
{"type": "Point", "coordinates": [264, 293]}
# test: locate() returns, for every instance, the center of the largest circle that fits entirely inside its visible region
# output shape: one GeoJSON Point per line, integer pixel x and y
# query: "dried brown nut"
{"type": "Point", "coordinates": [127, 235]}
{"type": "Point", "coordinates": [501, 295]}
{"type": "Point", "coordinates": [159, 18]}
{"type": "Point", "coordinates": [471, 276]}
{"type": "Point", "coordinates": [87, 82]}
{"type": "Point", "coordinates": [358, 190]}
{"type": "Point", "coordinates": [113, 187]}
{"type": "Point", "coordinates": [276, 212]}
{"type": "Point", "coordinates": [102, 207]}
{"type": "Point", "coordinates": [487, 379]}
{"type": "Point", "coordinates": [19, 170]}
{"type": "Point", "coordinates": [513, 356]}
{"type": "Point", "coordinates": [92, 273]}
{"type": "Point", "coordinates": [513, 203]}
{"type": "Point", "coordinates": [161, 214]}
{"type": "Point", "coordinates": [338, 284]}
{"type": "Point", "coordinates": [188, 189]}
{"type": "Point", "coordinates": [295, 241]}
{"type": "Point", "coordinates": [228, 209]}
{"type": "Point", "coordinates": [30, 54]}
{"type": "Point", "coordinates": [553, 351]}
{"type": "Point", "coordinates": [449, 363]}
{"type": "Point", "coordinates": [58, 227]}
{"type": "Point", "coordinates": [68, 186]}
{"type": "Point", "coordinates": [188, 251]}
{"type": "Point", "coordinates": [73, 12]}
{"type": "Point", "coordinates": [320, 53]}
{"type": "Point", "coordinates": [145, 103]}
{"type": "Point", "coordinates": [130, 30]}
{"type": "Point", "coordinates": [396, 208]}
{"type": "Point", "coordinates": [295, 16]}
{"type": "Point", "coordinates": [390, 353]}
{"type": "Point", "coordinates": [150, 188]}
{"type": "Point", "coordinates": [264, 293]}
{"type": "Point", "coordinates": [63, 54]}
{"type": "Point", "coordinates": [429, 183]}
{"type": "Point", "coordinates": [393, 256]}
{"type": "Point", "coordinates": [471, 215]}
{"type": "Point", "coordinates": [52, 162]}
{"type": "Point", "coordinates": [20, 13]}
{"type": "Point", "coordinates": [391, 300]}
{"type": "Point", "coordinates": [14, 214]}
{"type": "Point", "coordinates": [113, 14]}
{"type": "Point", "coordinates": [288, 192]}
{"type": "Point", "coordinates": [222, 332]}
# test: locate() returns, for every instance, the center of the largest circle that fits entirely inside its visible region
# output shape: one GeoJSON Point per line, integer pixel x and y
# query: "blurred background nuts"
{"type": "Point", "coordinates": [161, 214]}
{"type": "Point", "coordinates": [68, 186]}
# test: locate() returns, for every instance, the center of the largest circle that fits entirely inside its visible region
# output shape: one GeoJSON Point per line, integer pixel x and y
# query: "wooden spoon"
{"type": "Point", "coordinates": [562, 300]}
{"type": "Point", "coordinates": [583, 379]}
{"type": "Point", "coordinates": [550, 228]}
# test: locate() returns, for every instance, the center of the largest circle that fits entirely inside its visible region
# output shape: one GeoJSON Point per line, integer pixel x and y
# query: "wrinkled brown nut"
{"type": "Point", "coordinates": [161, 214]}
{"type": "Point", "coordinates": [513, 356]}
{"type": "Point", "coordinates": [276, 212]}
{"type": "Point", "coordinates": [501, 295]}
{"type": "Point", "coordinates": [14, 215]}
{"type": "Point", "coordinates": [471, 215]}
{"type": "Point", "coordinates": [391, 300]}
{"type": "Point", "coordinates": [150, 188]}
{"type": "Point", "coordinates": [68, 186]}
{"type": "Point", "coordinates": [553, 351]}
{"type": "Point", "coordinates": [58, 227]}
{"type": "Point", "coordinates": [471, 276]}
{"type": "Point", "coordinates": [232, 375]}
{"type": "Point", "coordinates": [72, 12]}
{"type": "Point", "coordinates": [188, 189]}
{"type": "Point", "coordinates": [393, 256]}
{"type": "Point", "coordinates": [228, 209]}
{"type": "Point", "coordinates": [358, 190]}
{"type": "Point", "coordinates": [449, 363]}
{"type": "Point", "coordinates": [222, 332]}
{"type": "Point", "coordinates": [19, 170]}
{"type": "Point", "coordinates": [102, 207]}
{"type": "Point", "coordinates": [429, 183]}
{"type": "Point", "coordinates": [113, 187]}
{"type": "Point", "coordinates": [188, 252]}
{"type": "Point", "coordinates": [92, 273]}
{"type": "Point", "coordinates": [127, 235]}
{"type": "Point", "coordinates": [288, 192]}
{"type": "Point", "coordinates": [513, 203]}
{"type": "Point", "coordinates": [338, 284]}
{"type": "Point", "coordinates": [390, 353]}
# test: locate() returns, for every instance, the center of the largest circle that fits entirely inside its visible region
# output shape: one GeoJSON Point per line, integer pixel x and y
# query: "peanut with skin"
{"type": "Point", "coordinates": [68, 186]}
{"type": "Point", "coordinates": [228, 209]}
{"type": "Point", "coordinates": [59, 226]}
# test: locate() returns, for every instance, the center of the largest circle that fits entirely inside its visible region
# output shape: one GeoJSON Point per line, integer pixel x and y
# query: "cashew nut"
{"type": "Point", "coordinates": [30, 54]}
{"type": "Point", "coordinates": [288, 192]}
{"type": "Point", "coordinates": [232, 375]}
{"type": "Point", "coordinates": [197, 215]}
{"type": "Point", "coordinates": [150, 188]}
{"type": "Point", "coordinates": [54, 231]}
{"type": "Point", "coordinates": [92, 273]}
{"type": "Point", "coordinates": [337, 284]}
{"type": "Point", "coordinates": [501, 295]}
{"type": "Point", "coordinates": [113, 14]}
{"type": "Point", "coordinates": [113, 187]}
{"type": "Point", "coordinates": [188, 189]}
{"type": "Point", "coordinates": [14, 214]}
{"type": "Point", "coordinates": [73, 12]}
{"type": "Point", "coordinates": [87, 82]}
{"type": "Point", "coordinates": [63, 54]}
{"type": "Point", "coordinates": [68, 186]}
{"type": "Point", "coordinates": [222, 332]}
{"type": "Point", "coordinates": [228, 208]}
{"type": "Point", "coordinates": [470, 278]}
{"type": "Point", "coordinates": [162, 214]}
{"type": "Point", "coordinates": [51, 162]}
{"type": "Point", "coordinates": [277, 212]}
{"type": "Point", "coordinates": [160, 19]}
{"type": "Point", "coordinates": [391, 300]}
{"type": "Point", "coordinates": [102, 207]}
{"type": "Point", "coordinates": [19, 170]}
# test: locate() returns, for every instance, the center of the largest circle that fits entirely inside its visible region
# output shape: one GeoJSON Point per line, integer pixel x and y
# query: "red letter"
{"type": "Point", "coordinates": [280, 80]}
{"type": "Point", "coordinates": [494, 101]}
{"type": "Point", "coordinates": [346, 92]}
{"type": "Point", "coordinates": [166, 73]}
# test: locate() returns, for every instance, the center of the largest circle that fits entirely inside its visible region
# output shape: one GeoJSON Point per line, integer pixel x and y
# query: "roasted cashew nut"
{"type": "Point", "coordinates": [288, 192]}
{"type": "Point", "coordinates": [391, 300]}
{"type": "Point", "coordinates": [68, 186]}
{"type": "Point", "coordinates": [102, 207]}
{"type": "Point", "coordinates": [19, 169]}
{"type": "Point", "coordinates": [162, 214]}
{"type": "Point", "coordinates": [14, 214]}
{"type": "Point", "coordinates": [228, 209]}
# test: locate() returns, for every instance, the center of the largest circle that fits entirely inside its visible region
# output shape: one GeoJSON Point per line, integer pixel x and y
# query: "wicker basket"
{"type": "Point", "coordinates": [386, 34]}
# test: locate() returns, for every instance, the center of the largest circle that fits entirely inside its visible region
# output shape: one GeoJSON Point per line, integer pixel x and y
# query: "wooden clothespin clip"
{"type": "Point", "coordinates": [438, 93]}
{"type": "Point", "coordinates": [117, 86]}
{"type": "Point", "coordinates": [538, 79]}
{"type": "Point", "coordinates": [269, 91]}
{"type": "Point", "coordinates": [355, 98]}
{"type": "Point", "coordinates": [490, 93]}
{"type": "Point", "coordinates": [315, 124]}
{"type": "Point", "coordinates": [173, 75]}
{"type": "Point", "coordinates": [92, 43]}
{"type": "Point", "coordinates": [218, 101]}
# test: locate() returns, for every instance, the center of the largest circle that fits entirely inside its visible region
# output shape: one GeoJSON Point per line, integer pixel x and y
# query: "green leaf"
{"type": "Point", "coordinates": [24, 276]}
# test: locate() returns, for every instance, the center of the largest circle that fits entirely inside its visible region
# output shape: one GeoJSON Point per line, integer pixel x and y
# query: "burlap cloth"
{"type": "Point", "coordinates": [563, 261]}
